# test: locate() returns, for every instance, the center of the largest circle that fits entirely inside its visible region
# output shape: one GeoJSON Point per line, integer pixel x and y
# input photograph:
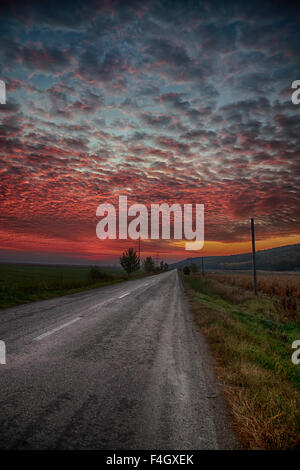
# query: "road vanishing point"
{"type": "Point", "coordinates": [119, 367]}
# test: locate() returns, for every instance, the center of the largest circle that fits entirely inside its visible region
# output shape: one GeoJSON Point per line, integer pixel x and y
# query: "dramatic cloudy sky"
{"type": "Point", "coordinates": [162, 101]}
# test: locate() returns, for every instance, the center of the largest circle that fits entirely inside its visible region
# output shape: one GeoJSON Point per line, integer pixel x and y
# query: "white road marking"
{"type": "Point", "coordinates": [121, 296]}
{"type": "Point", "coordinates": [50, 332]}
{"type": "Point", "coordinates": [93, 307]}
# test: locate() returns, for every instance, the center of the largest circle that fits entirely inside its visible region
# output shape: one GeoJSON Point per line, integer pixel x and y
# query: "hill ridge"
{"type": "Point", "coordinates": [282, 258]}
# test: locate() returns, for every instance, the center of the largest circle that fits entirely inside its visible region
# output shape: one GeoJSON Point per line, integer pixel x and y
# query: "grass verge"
{"type": "Point", "coordinates": [251, 342]}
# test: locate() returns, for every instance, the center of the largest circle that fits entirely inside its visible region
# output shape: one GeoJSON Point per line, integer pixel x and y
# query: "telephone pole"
{"type": "Point", "coordinates": [253, 256]}
{"type": "Point", "coordinates": [139, 250]}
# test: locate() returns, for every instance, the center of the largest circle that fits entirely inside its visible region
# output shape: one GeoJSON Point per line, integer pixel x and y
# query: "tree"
{"type": "Point", "coordinates": [194, 268]}
{"type": "Point", "coordinates": [130, 261]}
{"type": "Point", "coordinates": [163, 266]}
{"type": "Point", "coordinates": [186, 270]}
{"type": "Point", "coordinates": [149, 265]}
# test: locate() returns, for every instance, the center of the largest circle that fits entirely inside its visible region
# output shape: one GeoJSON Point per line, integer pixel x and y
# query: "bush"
{"type": "Point", "coordinates": [186, 270]}
{"type": "Point", "coordinates": [97, 274]}
{"type": "Point", "coordinates": [149, 265]}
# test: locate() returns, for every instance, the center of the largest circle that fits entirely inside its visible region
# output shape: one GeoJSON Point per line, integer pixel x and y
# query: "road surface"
{"type": "Point", "coordinates": [119, 367]}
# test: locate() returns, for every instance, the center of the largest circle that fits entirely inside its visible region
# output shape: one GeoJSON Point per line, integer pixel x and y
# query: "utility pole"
{"type": "Point", "coordinates": [139, 250]}
{"type": "Point", "coordinates": [253, 257]}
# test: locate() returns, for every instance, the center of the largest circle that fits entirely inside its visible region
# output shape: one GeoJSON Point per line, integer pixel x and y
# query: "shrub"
{"type": "Point", "coordinates": [98, 274]}
{"type": "Point", "coordinates": [186, 270]}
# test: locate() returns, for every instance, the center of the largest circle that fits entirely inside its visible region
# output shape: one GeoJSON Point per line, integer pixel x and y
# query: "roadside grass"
{"type": "Point", "coordinates": [20, 284]}
{"type": "Point", "coordinates": [251, 339]}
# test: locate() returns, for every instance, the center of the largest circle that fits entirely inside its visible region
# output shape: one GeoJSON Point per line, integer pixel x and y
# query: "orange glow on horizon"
{"type": "Point", "coordinates": [90, 250]}
{"type": "Point", "coordinates": [212, 248]}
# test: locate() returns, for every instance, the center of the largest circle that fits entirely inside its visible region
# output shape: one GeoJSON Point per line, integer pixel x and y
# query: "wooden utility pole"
{"type": "Point", "coordinates": [140, 249]}
{"type": "Point", "coordinates": [253, 257]}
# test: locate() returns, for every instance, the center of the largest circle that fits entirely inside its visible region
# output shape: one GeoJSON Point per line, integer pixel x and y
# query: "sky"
{"type": "Point", "coordinates": [161, 101]}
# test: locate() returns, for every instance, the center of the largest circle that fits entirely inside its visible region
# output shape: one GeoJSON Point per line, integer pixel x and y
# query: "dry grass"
{"type": "Point", "coordinates": [283, 288]}
{"type": "Point", "coordinates": [252, 347]}
{"type": "Point", "coordinates": [283, 285]}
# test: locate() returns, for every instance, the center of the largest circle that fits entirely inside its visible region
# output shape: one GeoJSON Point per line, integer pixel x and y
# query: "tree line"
{"type": "Point", "coordinates": [131, 263]}
{"type": "Point", "coordinates": [193, 268]}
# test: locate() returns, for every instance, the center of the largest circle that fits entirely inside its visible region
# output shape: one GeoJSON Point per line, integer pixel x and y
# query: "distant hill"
{"type": "Point", "coordinates": [283, 258]}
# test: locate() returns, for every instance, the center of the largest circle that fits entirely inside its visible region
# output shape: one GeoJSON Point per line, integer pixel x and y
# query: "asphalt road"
{"type": "Point", "coordinates": [120, 367]}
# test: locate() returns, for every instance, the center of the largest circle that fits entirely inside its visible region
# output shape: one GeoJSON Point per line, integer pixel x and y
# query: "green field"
{"type": "Point", "coordinates": [25, 283]}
